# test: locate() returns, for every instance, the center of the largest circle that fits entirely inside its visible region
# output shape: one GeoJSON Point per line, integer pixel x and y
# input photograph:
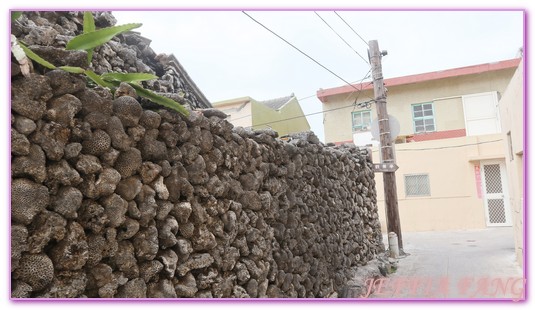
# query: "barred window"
{"type": "Point", "coordinates": [361, 120]}
{"type": "Point", "coordinates": [417, 185]}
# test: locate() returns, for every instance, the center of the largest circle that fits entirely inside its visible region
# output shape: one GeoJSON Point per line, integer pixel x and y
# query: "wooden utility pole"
{"type": "Point", "coordinates": [387, 152]}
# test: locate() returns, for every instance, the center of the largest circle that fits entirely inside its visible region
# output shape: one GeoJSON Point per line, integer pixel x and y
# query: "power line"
{"type": "Point", "coordinates": [305, 115]}
{"type": "Point", "coordinates": [351, 28]}
{"type": "Point", "coordinates": [361, 86]}
{"type": "Point", "coordinates": [449, 147]}
{"type": "Point", "coordinates": [341, 38]}
{"type": "Point", "coordinates": [307, 97]}
{"type": "Point", "coordinates": [300, 51]}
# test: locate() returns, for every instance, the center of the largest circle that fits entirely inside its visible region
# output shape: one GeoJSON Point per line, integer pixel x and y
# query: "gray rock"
{"type": "Point", "coordinates": [93, 102]}
{"type": "Point", "coordinates": [115, 209]}
{"type": "Point", "coordinates": [162, 289]}
{"type": "Point", "coordinates": [63, 109]}
{"type": "Point", "coordinates": [62, 173]}
{"type": "Point", "coordinates": [214, 112]}
{"type": "Point", "coordinates": [126, 260]}
{"type": "Point", "coordinates": [19, 244]}
{"type": "Point", "coordinates": [149, 171]}
{"type": "Point", "coordinates": [152, 150]}
{"type": "Point", "coordinates": [19, 143]}
{"type": "Point", "coordinates": [119, 139]}
{"type": "Point", "coordinates": [107, 181]}
{"type": "Point", "coordinates": [135, 288]}
{"type": "Point", "coordinates": [72, 150]}
{"type": "Point", "coordinates": [196, 261]}
{"type": "Point", "coordinates": [52, 138]}
{"type": "Point", "coordinates": [24, 125]}
{"type": "Point", "coordinates": [29, 96]}
{"type": "Point", "coordinates": [129, 228]}
{"type": "Point", "coordinates": [67, 202]}
{"type": "Point", "coordinates": [150, 119]}
{"type": "Point", "coordinates": [169, 260]}
{"type": "Point", "coordinates": [149, 269]}
{"type": "Point", "coordinates": [61, 56]}
{"type": "Point", "coordinates": [186, 286]}
{"type": "Point", "coordinates": [97, 120]}
{"type": "Point", "coordinates": [72, 252]}
{"type": "Point", "coordinates": [251, 200]}
{"type": "Point", "coordinates": [88, 164]}
{"type": "Point", "coordinates": [129, 188]}
{"type": "Point", "coordinates": [146, 243]}
{"type": "Point", "coordinates": [63, 82]}
{"type": "Point", "coordinates": [167, 230]}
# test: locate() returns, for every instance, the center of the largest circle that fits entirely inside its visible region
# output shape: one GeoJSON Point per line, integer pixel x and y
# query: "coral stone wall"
{"type": "Point", "coordinates": [113, 200]}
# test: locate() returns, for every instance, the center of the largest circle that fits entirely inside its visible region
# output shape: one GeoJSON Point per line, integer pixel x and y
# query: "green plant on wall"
{"type": "Point", "coordinates": [87, 41]}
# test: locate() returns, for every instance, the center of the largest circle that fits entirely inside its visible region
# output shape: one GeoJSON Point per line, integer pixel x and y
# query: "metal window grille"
{"type": "Point", "coordinates": [493, 179]}
{"type": "Point", "coordinates": [496, 211]}
{"type": "Point", "coordinates": [417, 185]}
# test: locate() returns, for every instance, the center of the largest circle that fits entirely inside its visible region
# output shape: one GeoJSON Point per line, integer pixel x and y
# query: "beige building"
{"type": "Point", "coordinates": [512, 116]}
{"type": "Point", "coordinates": [454, 169]}
{"type": "Point", "coordinates": [283, 115]}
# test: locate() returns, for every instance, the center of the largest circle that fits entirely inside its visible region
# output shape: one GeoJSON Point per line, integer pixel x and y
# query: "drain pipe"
{"type": "Point", "coordinates": [393, 244]}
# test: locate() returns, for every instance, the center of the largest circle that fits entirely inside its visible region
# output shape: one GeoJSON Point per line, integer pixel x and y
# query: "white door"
{"type": "Point", "coordinates": [496, 196]}
{"type": "Point", "coordinates": [481, 114]}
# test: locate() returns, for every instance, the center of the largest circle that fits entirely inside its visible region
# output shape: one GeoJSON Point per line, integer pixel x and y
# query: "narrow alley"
{"type": "Point", "coordinates": [461, 264]}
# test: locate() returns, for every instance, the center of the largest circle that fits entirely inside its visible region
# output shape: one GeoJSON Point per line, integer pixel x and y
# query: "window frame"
{"type": "Point", "coordinates": [361, 119]}
{"type": "Point", "coordinates": [423, 117]}
{"type": "Point", "coordinates": [417, 175]}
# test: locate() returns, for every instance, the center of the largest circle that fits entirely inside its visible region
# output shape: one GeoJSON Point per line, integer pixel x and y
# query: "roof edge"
{"type": "Point", "coordinates": [322, 94]}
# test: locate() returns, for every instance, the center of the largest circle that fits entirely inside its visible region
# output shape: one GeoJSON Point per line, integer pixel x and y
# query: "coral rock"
{"type": "Point", "coordinates": [98, 144]}
{"type": "Point", "coordinates": [67, 202]}
{"type": "Point", "coordinates": [72, 252]}
{"type": "Point", "coordinates": [128, 162]}
{"type": "Point", "coordinates": [27, 200]}
{"type": "Point", "coordinates": [32, 165]}
{"type": "Point", "coordinates": [35, 269]}
{"type": "Point", "coordinates": [128, 110]}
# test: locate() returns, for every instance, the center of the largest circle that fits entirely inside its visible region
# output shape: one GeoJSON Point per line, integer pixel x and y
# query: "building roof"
{"type": "Point", "coordinates": [200, 101]}
{"type": "Point", "coordinates": [233, 101]}
{"type": "Point", "coordinates": [277, 103]}
{"type": "Point", "coordinates": [322, 94]}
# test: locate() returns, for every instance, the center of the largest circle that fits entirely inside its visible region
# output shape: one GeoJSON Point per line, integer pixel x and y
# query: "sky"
{"type": "Point", "coordinates": [228, 55]}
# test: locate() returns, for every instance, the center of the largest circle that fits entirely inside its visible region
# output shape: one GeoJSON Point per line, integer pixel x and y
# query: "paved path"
{"type": "Point", "coordinates": [456, 264]}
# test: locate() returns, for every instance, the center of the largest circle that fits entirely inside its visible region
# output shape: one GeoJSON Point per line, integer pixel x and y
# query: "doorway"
{"type": "Point", "coordinates": [496, 196]}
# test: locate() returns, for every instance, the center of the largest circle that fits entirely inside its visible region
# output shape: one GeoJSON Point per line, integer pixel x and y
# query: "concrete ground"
{"type": "Point", "coordinates": [461, 264]}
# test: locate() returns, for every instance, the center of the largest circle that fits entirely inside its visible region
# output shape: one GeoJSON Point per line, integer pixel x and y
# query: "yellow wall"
{"type": "Point", "coordinates": [247, 112]}
{"type": "Point", "coordinates": [511, 111]}
{"type": "Point", "coordinates": [453, 203]}
{"type": "Point", "coordinates": [264, 117]}
{"type": "Point", "coordinates": [448, 111]}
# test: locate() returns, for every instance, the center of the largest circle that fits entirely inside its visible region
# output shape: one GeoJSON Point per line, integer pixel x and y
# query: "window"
{"type": "Point", "coordinates": [417, 185]}
{"type": "Point", "coordinates": [423, 117]}
{"type": "Point", "coordinates": [361, 120]}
